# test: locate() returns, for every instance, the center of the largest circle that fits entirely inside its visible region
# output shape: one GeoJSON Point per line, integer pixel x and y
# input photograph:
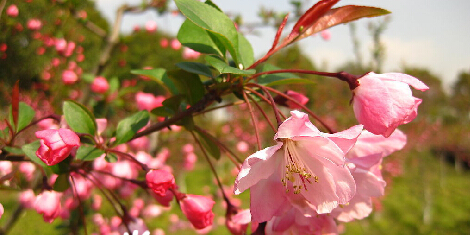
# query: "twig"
{"type": "Point", "coordinates": [253, 119]}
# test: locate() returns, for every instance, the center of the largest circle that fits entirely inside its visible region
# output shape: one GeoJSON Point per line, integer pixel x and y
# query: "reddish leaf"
{"type": "Point", "coordinates": [342, 15]}
{"type": "Point", "coordinates": [311, 16]}
{"type": "Point", "coordinates": [279, 32]}
{"type": "Point", "coordinates": [15, 103]}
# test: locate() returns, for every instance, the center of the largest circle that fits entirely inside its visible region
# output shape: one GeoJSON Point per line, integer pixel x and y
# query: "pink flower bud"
{"type": "Point", "coordinates": [27, 168]}
{"type": "Point", "coordinates": [190, 54]}
{"type": "Point", "coordinates": [69, 49]}
{"type": "Point", "coordinates": [5, 168]}
{"type": "Point", "coordinates": [48, 204]}
{"type": "Point", "coordinates": [60, 45]}
{"type": "Point", "coordinates": [160, 181]}
{"type": "Point", "coordinates": [325, 34]}
{"type": "Point", "coordinates": [302, 99]}
{"type": "Point", "coordinates": [382, 102]}
{"type": "Point", "coordinates": [151, 26]}
{"type": "Point", "coordinates": [34, 24]}
{"type": "Point", "coordinates": [12, 10]}
{"type": "Point", "coordinates": [69, 77]}
{"type": "Point", "coordinates": [100, 85]}
{"type": "Point", "coordinates": [1, 210]}
{"type": "Point", "coordinates": [82, 14]}
{"type": "Point", "coordinates": [27, 198]}
{"type": "Point", "coordinates": [97, 201]}
{"type": "Point", "coordinates": [164, 43]}
{"type": "Point", "coordinates": [175, 44]}
{"type": "Point", "coordinates": [147, 101]}
{"type": "Point", "coordinates": [3, 47]}
{"type": "Point", "coordinates": [198, 210]}
{"type": "Point", "coordinates": [56, 145]}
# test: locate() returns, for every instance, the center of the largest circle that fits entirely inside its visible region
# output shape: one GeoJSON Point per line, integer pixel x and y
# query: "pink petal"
{"type": "Point", "coordinates": [346, 139]}
{"type": "Point", "coordinates": [266, 198]}
{"type": "Point", "coordinates": [405, 78]}
{"type": "Point", "coordinates": [297, 125]}
{"type": "Point", "coordinates": [258, 166]}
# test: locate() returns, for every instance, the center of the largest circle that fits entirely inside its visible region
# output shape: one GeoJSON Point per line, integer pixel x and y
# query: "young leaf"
{"type": "Point", "coordinates": [30, 151]}
{"type": "Point", "coordinates": [209, 144]}
{"type": "Point", "coordinates": [211, 19]}
{"type": "Point", "coordinates": [88, 153]}
{"type": "Point", "coordinates": [310, 17]}
{"type": "Point", "coordinates": [78, 117]}
{"type": "Point", "coordinates": [223, 67]}
{"type": "Point", "coordinates": [342, 15]}
{"type": "Point", "coordinates": [26, 114]}
{"type": "Point", "coordinates": [198, 39]}
{"type": "Point", "coordinates": [129, 126]}
{"type": "Point", "coordinates": [188, 84]}
{"type": "Point", "coordinates": [194, 67]}
{"type": "Point", "coordinates": [159, 75]}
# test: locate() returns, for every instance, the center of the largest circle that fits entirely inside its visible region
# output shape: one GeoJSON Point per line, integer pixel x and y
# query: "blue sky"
{"type": "Point", "coordinates": [426, 33]}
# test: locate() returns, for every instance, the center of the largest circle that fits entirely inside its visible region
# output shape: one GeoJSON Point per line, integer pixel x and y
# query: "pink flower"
{"type": "Point", "coordinates": [325, 34]}
{"type": "Point", "coordinates": [175, 44]}
{"type": "Point", "coordinates": [364, 160]}
{"type": "Point", "coordinates": [302, 99]}
{"type": "Point", "coordinates": [160, 181]}
{"type": "Point", "coordinates": [164, 43]}
{"type": "Point", "coordinates": [100, 85]}
{"type": "Point", "coordinates": [34, 24]}
{"type": "Point", "coordinates": [69, 77]}
{"type": "Point", "coordinates": [48, 204]}
{"type": "Point", "coordinates": [147, 101]}
{"type": "Point", "coordinates": [198, 210]}
{"type": "Point", "coordinates": [27, 198]}
{"type": "Point", "coordinates": [12, 10]}
{"type": "Point", "coordinates": [294, 222]}
{"type": "Point", "coordinates": [60, 45]}
{"type": "Point", "coordinates": [382, 102]}
{"type": "Point", "coordinates": [305, 163]}
{"type": "Point", "coordinates": [2, 210]}
{"type": "Point", "coordinates": [238, 223]}
{"type": "Point", "coordinates": [151, 26]}
{"type": "Point", "coordinates": [190, 54]}
{"type": "Point", "coordinates": [56, 145]}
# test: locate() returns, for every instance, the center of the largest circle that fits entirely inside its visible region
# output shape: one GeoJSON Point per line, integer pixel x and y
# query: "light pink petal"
{"type": "Point", "coordinates": [321, 147]}
{"type": "Point", "coordinates": [258, 166]}
{"type": "Point", "coordinates": [371, 144]}
{"type": "Point", "coordinates": [69, 137]}
{"type": "Point", "coordinates": [297, 125]}
{"type": "Point", "coordinates": [405, 78]}
{"type": "Point", "coordinates": [347, 138]}
{"type": "Point", "coordinates": [266, 198]}
{"type": "Point", "coordinates": [283, 222]}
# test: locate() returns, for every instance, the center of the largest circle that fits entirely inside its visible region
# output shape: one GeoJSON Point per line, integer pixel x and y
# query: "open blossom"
{"type": "Point", "coordinates": [198, 210]}
{"type": "Point", "coordinates": [364, 161]}
{"type": "Point", "coordinates": [295, 222]}
{"type": "Point", "coordinates": [48, 204]}
{"type": "Point", "coordinates": [160, 181]}
{"type": "Point", "coordinates": [305, 163]}
{"type": "Point", "coordinates": [56, 145]}
{"type": "Point", "coordinates": [382, 102]}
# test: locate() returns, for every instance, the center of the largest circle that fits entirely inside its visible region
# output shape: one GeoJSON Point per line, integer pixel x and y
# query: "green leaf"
{"type": "Point", "coordinates": [129, 126]}
{"type": "Point", "coordinates": [159, 75]}
{"type": "Point", "coordinates": [245, 51]}
{"type": "Point", "coordinates": [88, 77]}
{"type": "Point", "coordinates": [113, 84]}
{"type": "Point", "coordinates": [173, 103]}
{"type": "Point", "coordinates": [188, 84]}
{"type": "Point", "coordinates": [187, 122]}
{"type": "Point", "coordinates": [198, 39]}
{"type": "Point", "coordinates": [162, 111]}
{"type": "Point", "coordinates": [194, 67]}
{"type": "Point", "coordinates": [290, 81]}
{"type": "Point", "coordinates": [13, 150]}
{"type": "Point", "coordinates": [30, 151]}
{"type": "Point", "coordinates": [223, 67]}
{"type": "Point", "coordinates": [211, 19]}
{"type": "Point", "coordinates": [78, 117]}
{"type": "Point", "coordinates": [62, 183]}
{"type": "Point", "coordinates": [111, 157]}
{"type": "Point", "coordinates": [269, 78]}
{"type": "Point", "coordinates": [25, 117]}
{"type": "Point", "coordinates": [209, 144]}
{"type": "Point", "coordinates": [88, 153]}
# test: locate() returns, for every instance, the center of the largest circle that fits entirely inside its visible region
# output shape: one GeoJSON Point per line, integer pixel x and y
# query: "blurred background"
{"type": "Point", "coordinates": [428, 181]}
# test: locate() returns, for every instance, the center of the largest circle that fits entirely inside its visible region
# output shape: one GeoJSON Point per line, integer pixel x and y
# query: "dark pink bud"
{"type": "Point", "coordinates": [198, 210]}
{"type": "Point", "coordinates": [160, 181]}
{"type": "Point", "coordinates": [12, 10]}
{"type": "Point", "coordinates": [34, 24]}
{"type": "Point", "coordinates": [69, 77]}
{"type": "Point", "coordinates": [100, 85]}
{"type": "Point", "coordinates": [56, 145]}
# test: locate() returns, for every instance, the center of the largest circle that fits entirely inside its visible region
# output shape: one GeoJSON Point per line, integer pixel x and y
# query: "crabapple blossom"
{"type": "Point", "coordinates": [69, 77]}
{"type": "Point", "coordinates": [238, 223]}
{"type": "Point", "coordinates": [382, 102]}
{"type": "Point", "coordinates": [27, 198]}
{"type": "Point", "coordinates": [147, 101]}
{"type": "Point", "coordinates": [294, 222]}
{"type": "Point", "coordinates": [299, 97]}
{"type": "Point", "coordinates": [2, 210]}
{"type": "Point", "coordinates": [304, 163]}
{"type": "Point", "coordinates": [56, 145]}
{"type": "Point", "coordinates": [198, 210]}
{"type": "Point", "coordinates": [164, 43]}
{"type": "Point", "coordinates": [48, 204]}
{"type": "Point", "coordinates": [325, 34]}
{"type": "Point", "coordinates": [34, 24]}
{"type": "Point", "coordinates": [12, 11]}
{"type": "Point", "coordinates": [160, 181]}
{"type": "Point", "coordinates": [190, 54]}
{"type": "Point", "coordinates": [151, 26]}
{"type": "Point", "coordinates": [100, 85]}
{"type": "Point", "coordinates": [175, 44]}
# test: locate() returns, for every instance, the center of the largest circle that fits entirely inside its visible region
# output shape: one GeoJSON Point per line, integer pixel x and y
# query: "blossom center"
{"type": "Point", "coordinates": [295, 170]}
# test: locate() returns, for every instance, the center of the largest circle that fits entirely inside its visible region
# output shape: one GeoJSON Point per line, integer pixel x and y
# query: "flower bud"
{"type": "Point", "coordinates": [56, 145]}
{"type": "Point", "coordinates": [12, 10]}
{"type": "Point", "coordinates": [198, 210]}
{"type": "Point", "coordinates": [100, 85]}
{"type": "Point", "coordinates": [160, 181]}
{"type": "Point", "coordinates": [48, 204]}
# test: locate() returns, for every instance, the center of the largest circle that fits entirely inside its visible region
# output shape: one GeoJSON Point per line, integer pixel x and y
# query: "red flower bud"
{"type": "Point", "coordinates": [160, 181]}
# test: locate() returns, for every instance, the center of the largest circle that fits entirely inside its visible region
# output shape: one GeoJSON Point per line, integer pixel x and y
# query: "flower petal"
{"type": "Point", "coordinates": [347, 138]}
{"type": "Point", "coordinates": [267, 197]}
{"type": "Point", "coordinates": [405, 78]}
{"type": "Point", "coordinates": [297, 125]}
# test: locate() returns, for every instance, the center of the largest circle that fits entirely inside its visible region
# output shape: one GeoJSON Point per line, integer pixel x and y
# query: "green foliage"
{"type": "Point", "coordinates": [79, 118]}
{"type": "Point", "coordinates": [30, 151]}
{"type": "Point", "coordinates": [129, 126]}
{"type": "Point", "coordinates": [88, 153]}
